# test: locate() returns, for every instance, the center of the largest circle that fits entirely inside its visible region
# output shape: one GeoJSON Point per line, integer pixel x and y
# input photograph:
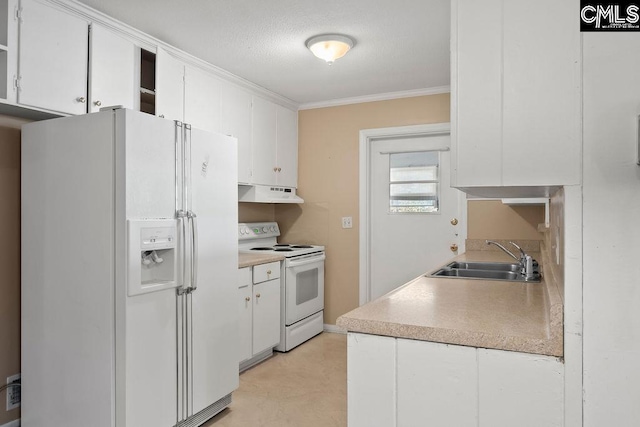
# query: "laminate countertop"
{"type": "Point", "coordinates": [249, 260]}
{"type": "Point", "coordinates": [525, 317]}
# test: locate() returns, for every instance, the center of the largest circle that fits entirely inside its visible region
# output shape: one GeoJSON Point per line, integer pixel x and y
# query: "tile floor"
{"type": "Point", "coordinates": [306, 387]}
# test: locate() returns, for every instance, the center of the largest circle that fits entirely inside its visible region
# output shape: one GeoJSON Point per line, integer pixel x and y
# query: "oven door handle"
{"type": "Point", "coordinates": [305, 260]}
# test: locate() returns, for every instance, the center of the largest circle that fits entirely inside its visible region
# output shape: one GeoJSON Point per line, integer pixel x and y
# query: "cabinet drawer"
{"type": "Point", "coordinates": [264, 272]}
{"type": "Point", "coordinates": [244, 277]}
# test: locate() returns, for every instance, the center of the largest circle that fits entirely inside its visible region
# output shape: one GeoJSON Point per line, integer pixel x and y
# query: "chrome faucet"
{"type": "Point", "coordinates": [528, 266]}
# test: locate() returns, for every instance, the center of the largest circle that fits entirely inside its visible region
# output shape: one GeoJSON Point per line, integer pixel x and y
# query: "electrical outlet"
{"type": "Point", "coordinates": [347, 222]}
{"type": "Point", "coordinates": [13, 393]}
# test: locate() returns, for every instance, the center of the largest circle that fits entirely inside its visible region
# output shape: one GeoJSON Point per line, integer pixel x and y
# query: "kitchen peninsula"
{"type": "Point", "coordinates": [459, 352]}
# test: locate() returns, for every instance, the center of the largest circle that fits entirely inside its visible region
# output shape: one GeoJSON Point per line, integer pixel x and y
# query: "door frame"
{"type": "Point", "coordinates": [366, 137]}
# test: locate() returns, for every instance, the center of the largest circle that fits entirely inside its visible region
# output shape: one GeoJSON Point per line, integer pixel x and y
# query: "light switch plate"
{"type": "Point", "coordinates": [347, 222]}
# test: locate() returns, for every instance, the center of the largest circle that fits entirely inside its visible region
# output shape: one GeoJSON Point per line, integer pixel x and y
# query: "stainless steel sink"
{"type": "Point", "coordinates": [483, 271]}
{"type": "Point", "coordinates": [492, 266]}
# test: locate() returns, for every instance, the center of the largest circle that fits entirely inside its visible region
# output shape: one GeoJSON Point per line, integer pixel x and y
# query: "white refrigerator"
{"type": "Point", "coordinates": [129, 266]}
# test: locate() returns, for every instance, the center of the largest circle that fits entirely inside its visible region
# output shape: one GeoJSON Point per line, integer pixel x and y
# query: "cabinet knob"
{"type": "Point", "coordinates": [257, 295]}
{"type": "Point", "coordinates": [268, 272]}
{"type": "Point", "coordinates": [279, 169]}
{"type": "Point", "coordinates": [97, 103]}
{"type": "Point", "coordinates": [453, 247]}
{"type": "Point", "coordinates": [454, 221]}
{"type": "Point", "coordinates": [81, 99]}
{"type": "Point", "coordinates": [161, 116]}
{"type": "Point", "coordinates": [247, 299]}
{"type": "Point", "coordinates": [275, 169]}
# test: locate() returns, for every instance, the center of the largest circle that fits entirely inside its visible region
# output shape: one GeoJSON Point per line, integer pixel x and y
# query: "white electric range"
{"type": "Point", "coordinates": [302, 281]}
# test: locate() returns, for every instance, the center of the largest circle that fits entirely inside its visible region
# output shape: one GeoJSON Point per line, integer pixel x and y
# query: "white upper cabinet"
{"type": "Point", "coordinates": [112, 70]}
{"type": "Point", "coordinates": [67, 63]}
{"type": "Point", "coordinates": [287, 147]}
{"type": "Point", "coordinates": [202, 96]}
{"type": "Point", "coordinates": [236, 121]}
{"type": "Point", "coordinates": [264, 139]}
{"type": "Point", "coordinates": [52, 58]}
{"type": "Point", "coordinates": [275, 144]}
{"type": "Point", "coordinates": [8, 49]}
{"type": "Point", "coordinates": [187, 93]}
{"type": "Point", "coordinates": [515, 93]}
{"type": "Point", "coordinates": [169, 86]}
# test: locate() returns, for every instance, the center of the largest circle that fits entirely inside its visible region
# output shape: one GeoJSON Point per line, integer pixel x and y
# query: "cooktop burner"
{"type": "Point", "coordinates": [260, 237]}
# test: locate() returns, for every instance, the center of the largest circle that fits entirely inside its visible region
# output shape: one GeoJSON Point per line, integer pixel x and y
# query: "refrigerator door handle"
{"type": "Point", "coordinates": [186, 166]}
{"type": "Point", "coordinates": [194, 250]}
{"type": "Point", "coordinates": [183, 218]}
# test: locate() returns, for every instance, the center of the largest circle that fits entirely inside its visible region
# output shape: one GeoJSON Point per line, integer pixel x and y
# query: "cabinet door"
{"type": "Point", "coordinates": [266, 315]}
{"type": "Point", "coordinates": [476, 95]}
{"type": "Point", "coordinates": [201, 99]}
{"type": "Point", "coordinates": [371, 379]}
{"type": "Point", "coordinates": [53, 58]}
{"type": "Point", "coordinates": [236, 121]}
{"type": "Point", "coordinates": [264, 142]}
{"type": "Point", "coordinates": [542, 93]}
{"type": "Point", "coordinates": [112, 70]}
{"type": "Point", "coordinates": [245, 308]}
{"type": "Point", "coordinates": [518, 389]}
{"type": "Point", "coordinates": [169, 86]}
{"type": "Point", "coordinates": [437, 384]}
{"type": "Point", "coordinates": [287, 150]}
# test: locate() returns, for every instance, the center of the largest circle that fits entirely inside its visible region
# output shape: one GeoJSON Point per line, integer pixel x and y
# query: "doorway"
{"type": "Point", "coordinates": [411, 220]}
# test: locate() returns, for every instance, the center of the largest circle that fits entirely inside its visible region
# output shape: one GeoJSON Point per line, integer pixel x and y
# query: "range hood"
{"type": "Point", "coordinates": [267, 194]}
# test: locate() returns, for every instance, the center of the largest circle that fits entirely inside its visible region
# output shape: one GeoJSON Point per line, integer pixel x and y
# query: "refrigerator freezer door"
{"type": "Point", "coordinates": [214, 311]}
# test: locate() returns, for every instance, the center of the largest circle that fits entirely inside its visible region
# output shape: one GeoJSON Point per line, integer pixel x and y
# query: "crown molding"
{"type": "Point", "coordinates": [377, 97]}
{"type": "Point", "coordinates": [151, 44]}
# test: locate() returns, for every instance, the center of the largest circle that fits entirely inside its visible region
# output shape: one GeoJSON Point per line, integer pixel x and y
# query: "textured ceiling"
{"type": "Point", "coordinates": [401, 44]}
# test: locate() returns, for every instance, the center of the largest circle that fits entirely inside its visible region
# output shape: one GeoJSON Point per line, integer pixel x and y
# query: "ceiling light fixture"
{"type": "Point", "coordinates": [330, 46]}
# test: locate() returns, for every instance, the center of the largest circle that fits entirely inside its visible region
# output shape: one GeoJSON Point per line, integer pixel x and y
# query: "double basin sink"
{"type": "Point", "coordinates": [484, 271]}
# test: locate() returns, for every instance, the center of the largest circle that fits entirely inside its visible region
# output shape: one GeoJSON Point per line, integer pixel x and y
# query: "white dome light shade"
{"type": "Point", "coordinates": [330, 46]}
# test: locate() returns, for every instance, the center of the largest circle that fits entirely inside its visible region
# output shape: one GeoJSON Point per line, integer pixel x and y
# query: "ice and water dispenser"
{"type": "Point", "coordinates": [153, 255]}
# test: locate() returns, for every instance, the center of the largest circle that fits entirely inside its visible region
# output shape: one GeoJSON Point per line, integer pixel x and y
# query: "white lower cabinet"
{"type": "Point", "coordinates": [259, 312]}
{"type": "Point", "coordinates": [518, 389]}
{"type": "Point", "coordinates": [436, 382]}
{"type": "Point", "coordinates": [245, 312]}
{"type": "Point", "coordinates": [371, 381]}
{"type": "Point", "coordinates": [266, 315]}
{"type": "Point", "coordinates": [406, 383]}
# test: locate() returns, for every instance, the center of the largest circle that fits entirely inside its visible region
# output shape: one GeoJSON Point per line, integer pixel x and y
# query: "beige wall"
{"type": "Point", "coordinates": [9, 258]}
{"type": "Point", "coordinates": [491, 219]}
{"type": "Point", "coordinates": [328, 141]}
{"type": "Point", "coordinates": [256, 212]}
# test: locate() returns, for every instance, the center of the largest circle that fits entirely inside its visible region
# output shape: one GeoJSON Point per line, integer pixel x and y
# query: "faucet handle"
{"type": "Point", "coordinates": [523, 254]}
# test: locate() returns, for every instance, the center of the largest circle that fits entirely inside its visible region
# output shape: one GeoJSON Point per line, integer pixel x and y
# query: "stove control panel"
{"type": "Point", "coordinates": [254, 230]}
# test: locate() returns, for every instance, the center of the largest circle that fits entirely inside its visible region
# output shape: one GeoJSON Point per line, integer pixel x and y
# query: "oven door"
{"type": "Point", "coordinates": [304, 286]}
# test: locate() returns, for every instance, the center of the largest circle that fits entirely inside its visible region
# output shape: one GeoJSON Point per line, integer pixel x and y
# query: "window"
{"type": "Point", "coordinates": [414, 182]}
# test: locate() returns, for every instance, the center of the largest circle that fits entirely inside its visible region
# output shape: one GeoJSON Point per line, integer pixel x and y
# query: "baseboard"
{"type": "Point", "coordinates": [14, 423]}
{"type": "Point", "coordinates": [334, 329]}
